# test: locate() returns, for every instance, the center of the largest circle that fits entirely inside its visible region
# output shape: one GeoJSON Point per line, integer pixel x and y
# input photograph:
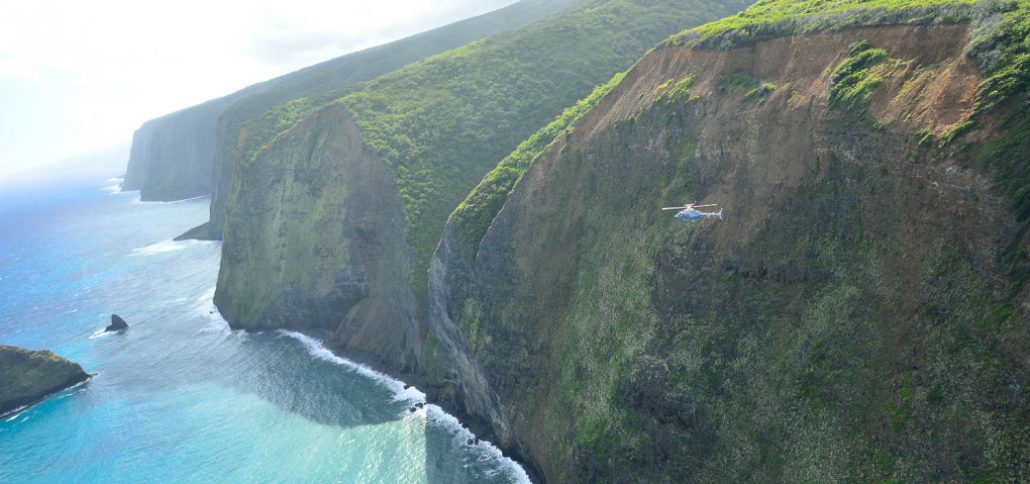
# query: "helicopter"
{"type": "Point", "coordinates": [690, 212]}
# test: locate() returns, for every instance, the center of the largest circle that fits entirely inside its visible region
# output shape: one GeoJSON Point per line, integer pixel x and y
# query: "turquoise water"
{"type": "Point", "coordinates": [179, 397]}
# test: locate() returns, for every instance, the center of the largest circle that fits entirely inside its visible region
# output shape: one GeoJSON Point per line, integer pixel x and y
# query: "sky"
{"type": "Point", "coordinates": [80, 76]}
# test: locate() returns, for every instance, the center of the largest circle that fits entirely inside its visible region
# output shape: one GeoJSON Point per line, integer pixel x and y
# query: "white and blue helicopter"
{"type": "Point", "coordinates": [690, 212]}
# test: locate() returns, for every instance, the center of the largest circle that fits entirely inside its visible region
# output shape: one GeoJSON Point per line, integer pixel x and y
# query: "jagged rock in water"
{"type": "Point", "coordinates": [200, 232]}
{"type": "Point", "coordinates": [117, 324]}
{"type": "Point", "coordinates": [29, 376]}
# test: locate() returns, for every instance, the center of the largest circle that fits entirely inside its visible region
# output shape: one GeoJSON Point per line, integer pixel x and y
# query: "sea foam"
{"type": "Point", "coordinates": [433, 414]}
{"type": "Point", "coordinates": [486, 450]}
{"type": "Point", "coordinates": [11, 415]}
{"type": "Point", "coordinates": [169, 246]}
{"type": "Point", "coordinates": [216, 322]}
{"type": "Point", "coordinates": [116, 186]}
{"type": "Point", "coordinates": [318, 350]}
{"type": "Point", "coordinates": [139, 200]}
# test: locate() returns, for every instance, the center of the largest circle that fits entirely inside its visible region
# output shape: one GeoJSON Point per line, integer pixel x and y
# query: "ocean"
{"type": "Point", "coordinates": [179, 397]}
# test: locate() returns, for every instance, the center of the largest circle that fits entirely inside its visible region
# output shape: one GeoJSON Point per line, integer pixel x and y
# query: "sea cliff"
{"type": "Point", "coordinates": [859, 314]}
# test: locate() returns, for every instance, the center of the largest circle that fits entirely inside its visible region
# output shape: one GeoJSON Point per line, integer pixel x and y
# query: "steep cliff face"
{"type": "Point", "coordinates": [321, 197]}
{"type": "Point", "coordinates": [171, 156]}
{"type": "Point", "coordinates": [437, 126]}
{"type": "Point", "coordinates": [855, 316]}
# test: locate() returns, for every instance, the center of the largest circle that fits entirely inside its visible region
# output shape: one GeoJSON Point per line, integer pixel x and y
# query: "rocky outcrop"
{"type": "Point", "coordinates": [117, 324]}
{"type": "Point", "coordinates": [29, 376]}
{"type": "Point", "coordinates": [200, 232]}
{"type": "Point", "coordinates": [316, 241]}
{"type": "Point", "coordinates": [834, 325]}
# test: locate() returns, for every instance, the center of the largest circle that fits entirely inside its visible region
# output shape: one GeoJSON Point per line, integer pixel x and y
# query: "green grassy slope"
{"type": "Point", "coordinates": [487, 97]}
{"type": "Point", "coordinates": [473, 215]}
{"type": "Point", "coordinates": [773, 18]}
{"type": "Point", "coordinates": [363, 65]}
{"type": "Point", "coordinates": [173, 155]}
{"type": "Point", "coordinates": [441, 123]}
{"type": "Point", "coordinates": [332, 79]}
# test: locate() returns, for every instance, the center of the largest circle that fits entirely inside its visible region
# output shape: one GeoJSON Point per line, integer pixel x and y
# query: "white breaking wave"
{"type": "Point", "coordinates": [138, 200]}
{"type": "Point", "coordinates": [487, 451]}
{"type": "Point", "coordinates": [206, 299]}
{"type": "Point", "coordinates": [72, 390]}
{"type": "Point", "coordinates": [432, 413]}
{"type": "Point", "coordinates": [170, 246]}
{"type": "Point", "coordinates": [15, 413]}
{"type": "Point", "coordinates": [116, 186]}
{"type": "Point", "coordinates": [318, 350]}
{"type": "Point", "coordinates": [216, 322]}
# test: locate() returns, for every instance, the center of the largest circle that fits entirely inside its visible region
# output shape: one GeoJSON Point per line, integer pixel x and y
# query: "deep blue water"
{"type": "Point", "coordinates": [179, 397]}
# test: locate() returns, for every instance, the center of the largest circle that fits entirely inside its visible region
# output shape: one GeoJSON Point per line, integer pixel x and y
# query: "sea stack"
{"type": "Point", "coordinates": [29, 376]}
{"type": "Point", "coordinates": [117, 324]}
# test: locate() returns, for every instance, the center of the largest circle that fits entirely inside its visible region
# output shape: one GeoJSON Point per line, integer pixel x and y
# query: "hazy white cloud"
{"type": "Point", "coordinates": [78, 75]}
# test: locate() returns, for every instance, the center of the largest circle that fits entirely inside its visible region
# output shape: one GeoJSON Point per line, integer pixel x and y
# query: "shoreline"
{"type": "Point", "coordinates": [35, 403]}
{"type": "Point", "coordinates": [411, 384]}
{"type": "Point", "coordinates": [406, 387]}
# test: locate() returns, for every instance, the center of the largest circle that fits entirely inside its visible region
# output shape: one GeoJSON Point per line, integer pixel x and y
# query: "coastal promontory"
{"type": "Point", "coordinates": [28, 376]}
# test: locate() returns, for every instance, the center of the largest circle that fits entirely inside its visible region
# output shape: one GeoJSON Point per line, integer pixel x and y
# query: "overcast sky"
{"type": "Point", "coordinates": [77, 76]}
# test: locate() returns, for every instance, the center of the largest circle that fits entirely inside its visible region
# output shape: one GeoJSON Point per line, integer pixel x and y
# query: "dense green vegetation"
{"type": "Point", "coordinates": [774, 18]}
{"type": "Point", "coordinates": [361, 66]}
{"type": "Point", "coordinates": [673, 91]}
{"type": "Point", "coordinates": [1000, 43]}
{"type": "Point", "coordinates": [173, 155]}
{"type": "Point", "coordinates": [27, 376]}
{"type": "Point", "coordinates": [756, 379]}
{"type": "Point", "coordinates": [263, 130]}
{"type": "Point", "coordinates": [828, 345]}
{"type": "Point", "coordinates": [438, 122]}
{"type": "Point", "coordinates": [473, 215]}
{"type": "Point", "coordinates": [753, 89]}
{"type": "Point", "coordinates": [852, 82]}
{"type": "Point", "coordinates": [831, 346]}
